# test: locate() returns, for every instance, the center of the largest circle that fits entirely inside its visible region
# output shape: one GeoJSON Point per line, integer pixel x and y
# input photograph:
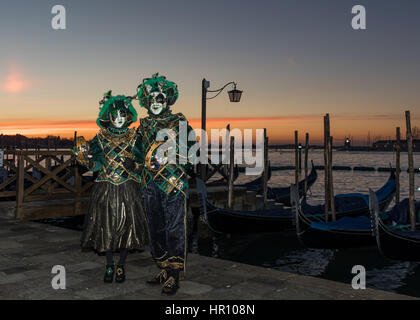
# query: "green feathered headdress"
{"type": "Point", "coordinates": [114, 103]}
{"type": "Point", "coordinates": [157, 84]}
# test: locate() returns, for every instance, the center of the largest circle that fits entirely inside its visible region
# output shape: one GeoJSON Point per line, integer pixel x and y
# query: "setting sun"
{"type": "Point", "coordinates": [14, 83]}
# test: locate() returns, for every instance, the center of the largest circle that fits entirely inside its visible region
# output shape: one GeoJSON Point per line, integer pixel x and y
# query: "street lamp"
{"type": "Point", "coordinates": [234, 96]}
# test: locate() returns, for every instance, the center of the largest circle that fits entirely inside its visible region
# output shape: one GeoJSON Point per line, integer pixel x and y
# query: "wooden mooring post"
{"type": "Point", "coordinates": [231, 172]}
{"type": "Point", "coordinates": [226, 143]}
{"type": "Point", "coordinates": [326, 135]}
{"type": "Point", "coordinates": [410, 170]}
{"type": "Point", "coordinates": [397, 165]}
{"type": "Point", "coordinates": [305, 186]}
{"type": "Point", "coordinates": [20, 191]}
{"type": "Point", "coordinates": [330, 178]}
{"type": "Point", "coordinates": [300, 157]}
{"type": "Point", "coordinates": [266, 166]}
{"type": "Point", "coordinates": [74, 144]}
{"type": "Point", "coordinates": [296, 159]}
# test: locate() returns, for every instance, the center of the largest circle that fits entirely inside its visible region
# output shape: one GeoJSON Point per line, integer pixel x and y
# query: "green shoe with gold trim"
{"type": "Point", "coordinates": [119, 274]}
{"type": "Point", "coordinates": [109, 273]}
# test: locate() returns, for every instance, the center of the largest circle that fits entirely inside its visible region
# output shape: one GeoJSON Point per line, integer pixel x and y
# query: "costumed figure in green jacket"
{"type": "Point", "coordinates": [165, 183]}
{"type": "Point", "coordinates": [115, 222]}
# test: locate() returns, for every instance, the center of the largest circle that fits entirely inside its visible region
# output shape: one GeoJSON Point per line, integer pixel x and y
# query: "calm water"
{"type": "Point", "coordinates": [282, 251]}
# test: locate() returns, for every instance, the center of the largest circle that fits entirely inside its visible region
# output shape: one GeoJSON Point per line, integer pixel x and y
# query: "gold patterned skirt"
{"type": "Point", "coordinates": [115, 219]}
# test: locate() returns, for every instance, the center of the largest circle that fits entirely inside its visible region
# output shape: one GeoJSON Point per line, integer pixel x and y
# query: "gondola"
{"type": "Point", "coordinates": [282, 195]}
{"type": "Point", "coordinates": [256, 184]}
{"type": "Point", "coordinates": [222, 181]}
{"type": "Point", "coordinates": [395, 240]}
{"type": "Point", "coordinates": [352, 227]}
{"type": "Point", "coordinates": [222, 220]}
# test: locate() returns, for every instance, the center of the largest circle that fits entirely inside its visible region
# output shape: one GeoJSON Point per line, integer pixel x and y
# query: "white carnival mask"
{"type": "Point", "coordinates": [118, 118]}
{"type": "Point", "coordinates": [158, 102]}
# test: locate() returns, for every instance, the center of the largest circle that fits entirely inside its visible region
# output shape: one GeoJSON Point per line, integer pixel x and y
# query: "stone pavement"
{"type": "Point", "coordinates": [29, 250]}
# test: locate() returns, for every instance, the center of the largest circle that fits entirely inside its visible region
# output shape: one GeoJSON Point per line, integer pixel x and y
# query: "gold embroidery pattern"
{"type": "Point", "coordinates": [119, 271]}
{"type": "Point", "coordinates": [116, 149]}
{"type": "Point", "coordinates": [169, 284]}
{"type": "Point", "coordinates": [169, 263]}
{"type": "Point", "coordinates": [170, 178]}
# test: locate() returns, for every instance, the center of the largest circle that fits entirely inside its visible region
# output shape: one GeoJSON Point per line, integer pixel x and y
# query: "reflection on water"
{"type": "Point", "coordinates": [311, 262]}
{"type": "Point", "coordinates": [390, 277]}
{"type": "Point", "coordinates": [283, 251]}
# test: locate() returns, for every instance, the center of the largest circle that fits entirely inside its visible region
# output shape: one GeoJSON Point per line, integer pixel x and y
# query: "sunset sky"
{"type": "Point", "coordinates": [295, 61]}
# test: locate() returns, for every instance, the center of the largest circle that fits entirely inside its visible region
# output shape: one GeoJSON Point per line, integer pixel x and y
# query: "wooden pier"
{"type": "Point", "coordinates": [29, 250]}
{"type": "Point", "coordinates": [57, 189]}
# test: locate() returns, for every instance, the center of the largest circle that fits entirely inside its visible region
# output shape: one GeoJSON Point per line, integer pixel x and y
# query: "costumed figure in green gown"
{"type": "Point", "coordinates": [115, 222]}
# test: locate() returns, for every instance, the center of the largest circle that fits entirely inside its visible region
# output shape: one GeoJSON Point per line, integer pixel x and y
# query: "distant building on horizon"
{"type": "Point", "coordinates": [19, 141]}
{"type": "Point", "coordinates": [388, 145]}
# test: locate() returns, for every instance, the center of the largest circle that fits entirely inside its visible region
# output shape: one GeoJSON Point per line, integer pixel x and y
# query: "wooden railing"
{"type": "Point", "coordinates": [44, 184]}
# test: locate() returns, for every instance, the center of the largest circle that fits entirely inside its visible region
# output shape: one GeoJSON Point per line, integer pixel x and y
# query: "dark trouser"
{"type": "Point", "coordinates": [166, 216]}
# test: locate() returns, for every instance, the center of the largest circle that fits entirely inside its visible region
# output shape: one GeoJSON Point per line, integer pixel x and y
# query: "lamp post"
{"type": "Point", "coordinates": [234, 96]}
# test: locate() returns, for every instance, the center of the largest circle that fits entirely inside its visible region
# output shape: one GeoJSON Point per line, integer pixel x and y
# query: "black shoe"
{"type": "Point", "coordinates": [109, 273]}
{"type": "Point", "coordinates": [158, 278]}
{"type": "Point", "coordinates": [120, 274]}
{"type": "Point", "coordinates": [171, 286]}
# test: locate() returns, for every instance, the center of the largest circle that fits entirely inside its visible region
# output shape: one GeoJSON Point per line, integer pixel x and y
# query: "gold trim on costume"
{"type": "Point", "coordinates": [115, 160]}
{"type": "Point", "coordinates": [185, 236]}
{"type": "Point", "coordinates": [149, 155]}
{"type": "Point", "coordinates": [82, 149]}
{"type": "Point", "coordinates": [173, 265]}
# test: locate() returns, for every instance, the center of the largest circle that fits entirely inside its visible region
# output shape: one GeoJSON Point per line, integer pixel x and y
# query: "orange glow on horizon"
{"type": "Point", "coordinates": [279, 129]}
{"type": "Point", "coordinates": [45, 128]}
{"type": "Point", "coordinates": [89, 128]}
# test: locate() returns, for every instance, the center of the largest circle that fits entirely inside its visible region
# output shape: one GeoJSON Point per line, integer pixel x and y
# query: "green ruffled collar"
{"type": "Point", "coordinates": [117, 131]}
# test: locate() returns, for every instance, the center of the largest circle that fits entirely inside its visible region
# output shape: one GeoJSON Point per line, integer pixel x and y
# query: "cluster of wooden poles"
{"type": "Point", "coordinates": [232, 166]}
{"type": "Point", "coordinates": [329, 189]}
{"type": "Point", "coordinates": [409, 137]}
{"type": "Point", "coordinates": [328, 176]}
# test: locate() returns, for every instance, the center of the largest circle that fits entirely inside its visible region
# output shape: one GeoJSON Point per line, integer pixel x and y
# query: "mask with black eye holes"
{"type": "Point", "coordinates": [118, 118]}
{"type": "Point", "coordinates": [158, 102]}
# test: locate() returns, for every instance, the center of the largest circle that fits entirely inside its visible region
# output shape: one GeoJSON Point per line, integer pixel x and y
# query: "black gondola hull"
{"type": "Point", "coordinates": [396, 246]}
{"type": "Point", "coordinates": [226, 221]}
{"type": "Point", "coordinates": [282, 195]}
{"type": "Point", "coordinates": [274, 220]}
{"type": "Point", "coordinates": [337, 239]}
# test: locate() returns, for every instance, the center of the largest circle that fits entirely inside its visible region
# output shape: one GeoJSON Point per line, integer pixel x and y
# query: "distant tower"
{"type": "Point", "coordinates": [347, 143]}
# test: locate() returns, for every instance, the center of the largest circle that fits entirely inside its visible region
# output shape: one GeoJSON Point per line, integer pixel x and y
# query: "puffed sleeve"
{"type": "Point", "coordinates": [138, 151]}
{"type": "Point", "coordinates": [97, 153]}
